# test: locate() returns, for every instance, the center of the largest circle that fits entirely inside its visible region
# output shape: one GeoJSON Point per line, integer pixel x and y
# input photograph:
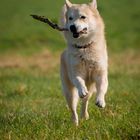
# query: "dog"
{"type": "Point", "coordinates": [84, 63]}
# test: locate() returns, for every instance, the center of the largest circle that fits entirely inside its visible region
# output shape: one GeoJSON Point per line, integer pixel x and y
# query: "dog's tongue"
{"type": "Point", "coordinates": [75, 35]}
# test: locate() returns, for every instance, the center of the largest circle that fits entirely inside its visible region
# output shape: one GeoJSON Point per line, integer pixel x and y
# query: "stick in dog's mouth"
{"type": "Point", "coordinates": [50, 23]}
{"type": "Point", "coordinates": [55, 26]}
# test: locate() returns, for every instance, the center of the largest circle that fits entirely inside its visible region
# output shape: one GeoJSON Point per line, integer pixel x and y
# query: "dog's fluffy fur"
{"type": "Point", "coordinates": [84, 69]}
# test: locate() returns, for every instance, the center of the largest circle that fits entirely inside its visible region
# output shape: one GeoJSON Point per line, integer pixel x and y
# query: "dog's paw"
{"type": "Point", "coordinates": [100, 103]}
{"type": "Point", "coordinates": [82, 92]}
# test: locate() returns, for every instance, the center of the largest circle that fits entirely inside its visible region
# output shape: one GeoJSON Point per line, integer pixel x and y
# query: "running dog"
{"type": "Point", "coordinates": [84, 63]}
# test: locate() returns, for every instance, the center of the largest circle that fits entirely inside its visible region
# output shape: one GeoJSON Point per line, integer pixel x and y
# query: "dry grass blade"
{"type": "Point", "coordinates": [50, 23]}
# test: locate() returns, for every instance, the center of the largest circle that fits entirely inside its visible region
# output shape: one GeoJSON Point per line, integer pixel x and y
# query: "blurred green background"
{"type": "Point", "coordinates": [31, 102]}
{"type": "Point", "coordinates": [19, 31]}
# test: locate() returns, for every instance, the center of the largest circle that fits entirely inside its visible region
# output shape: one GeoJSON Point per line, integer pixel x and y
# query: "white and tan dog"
{"type": "Point", "coordinates": [84, 63]}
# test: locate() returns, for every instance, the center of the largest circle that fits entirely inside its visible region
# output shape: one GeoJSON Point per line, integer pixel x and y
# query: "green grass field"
{"type": "Point", "coordinates": [31, 103]}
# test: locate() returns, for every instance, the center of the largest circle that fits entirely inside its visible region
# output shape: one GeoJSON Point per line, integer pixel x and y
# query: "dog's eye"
{"type": "Point", "coordinates": [83, 17]}
{"type": "Point", "coordinates": [70, 18]}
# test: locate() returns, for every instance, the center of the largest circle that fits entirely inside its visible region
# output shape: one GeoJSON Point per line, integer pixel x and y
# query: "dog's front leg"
{"type": "Point", "coordinates": [77, 76]}
{"type": "Point", "coordinates": [101, 86]}
{"type": "Point", "coordinates": [79, 83]}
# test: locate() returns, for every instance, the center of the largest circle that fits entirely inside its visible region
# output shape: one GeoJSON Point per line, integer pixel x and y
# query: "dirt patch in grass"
{"type": "Point", "coordinates": [127, 61]}
{"type": "Point", "coordinates": [44, 61]}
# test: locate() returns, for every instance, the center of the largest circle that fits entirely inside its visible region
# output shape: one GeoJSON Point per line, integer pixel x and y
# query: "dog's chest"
{"type": "Point", "coordinates": [88, 58]}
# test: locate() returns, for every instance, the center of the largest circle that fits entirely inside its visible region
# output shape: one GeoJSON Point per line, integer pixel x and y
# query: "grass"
{"type": "Point", "coordinates": [30, 82]}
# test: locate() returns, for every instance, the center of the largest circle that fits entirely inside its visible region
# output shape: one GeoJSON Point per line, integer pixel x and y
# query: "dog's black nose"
{"type": "Point", "coordinates": [73, 29]}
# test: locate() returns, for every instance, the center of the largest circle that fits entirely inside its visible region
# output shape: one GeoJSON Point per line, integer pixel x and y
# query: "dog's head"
{"type": "Point", "coordinates": [82, 20]}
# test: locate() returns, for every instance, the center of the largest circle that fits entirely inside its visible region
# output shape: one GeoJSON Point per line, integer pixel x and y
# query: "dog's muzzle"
{"type": "Point", "coordinates": [76, 34]}
{"type": "Point", "coordinates": [74, 31]}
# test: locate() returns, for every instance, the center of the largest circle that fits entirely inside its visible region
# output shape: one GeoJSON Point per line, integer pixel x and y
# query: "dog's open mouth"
{"type": "Point", "coordinates": [78, 34]}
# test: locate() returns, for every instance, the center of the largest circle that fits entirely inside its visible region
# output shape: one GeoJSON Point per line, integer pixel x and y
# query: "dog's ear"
{"type": "Point", "coordinates": [94, 4]}
{"type": "Point", "coordinates": [68, 4]}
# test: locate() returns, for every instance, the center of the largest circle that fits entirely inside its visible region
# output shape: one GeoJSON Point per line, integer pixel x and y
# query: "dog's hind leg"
{"type": "Point", "coordinates": [101, 85]}
{"type": "Point", "coordinates": [72, 98]}
{"type": "Point", "coordinates": [70, 93]}
{"type": "Point", "coordinates": [72, 102]}
{"type": "Point", "coordinates": [84, 107]}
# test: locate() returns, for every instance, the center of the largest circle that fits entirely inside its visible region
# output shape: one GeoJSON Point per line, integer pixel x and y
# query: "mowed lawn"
{"type": "Point", "coordinates": [31, 103]}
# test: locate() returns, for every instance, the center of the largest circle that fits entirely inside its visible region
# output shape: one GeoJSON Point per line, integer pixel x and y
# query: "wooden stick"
{"type": "Point", "coordinates": [50, 23]}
